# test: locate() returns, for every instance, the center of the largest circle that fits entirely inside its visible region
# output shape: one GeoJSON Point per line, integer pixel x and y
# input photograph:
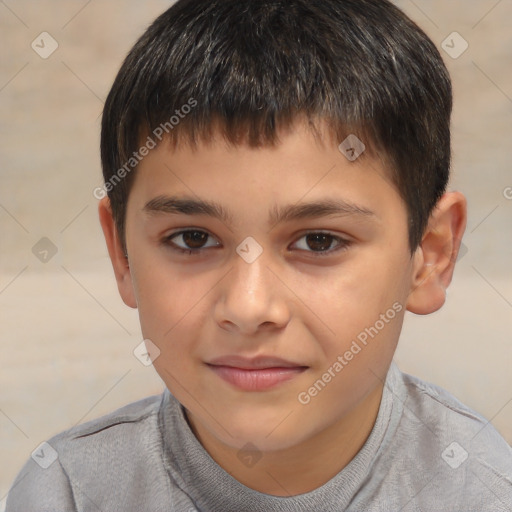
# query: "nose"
{"type": "Point", "coordinates": [252, 299]}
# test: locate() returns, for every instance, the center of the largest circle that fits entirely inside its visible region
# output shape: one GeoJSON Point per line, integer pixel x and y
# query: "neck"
{"type": "Point", "coordinates": [303, 467]}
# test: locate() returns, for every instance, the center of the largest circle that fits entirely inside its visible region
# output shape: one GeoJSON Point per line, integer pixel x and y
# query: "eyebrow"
{"type": "Point", "coordinates": [277, 215]}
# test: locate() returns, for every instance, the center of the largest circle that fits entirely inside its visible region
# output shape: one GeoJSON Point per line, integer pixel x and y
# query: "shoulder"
{"type": "Point", "coordinates": [444, 415]}
{"type": "Point", "coordinates": [459, 451]}
{"type": "Point", "coordinates": [127, 417]}
{"type": "Point", "coordinates": [99, 453]}
{"type": "Point", "coordinates": [126, 430]}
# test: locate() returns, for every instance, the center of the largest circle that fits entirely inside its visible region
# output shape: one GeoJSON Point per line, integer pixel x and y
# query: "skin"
{"type": "Point", "coordinates": [290, 302]}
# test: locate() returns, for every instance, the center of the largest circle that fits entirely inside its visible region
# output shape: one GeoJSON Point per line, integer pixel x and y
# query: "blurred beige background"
{"type": "Point", "coordinates": [66, 337]}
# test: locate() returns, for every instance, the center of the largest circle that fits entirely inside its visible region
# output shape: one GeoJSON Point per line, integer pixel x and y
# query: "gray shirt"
{"type": "Point", "coordinates": [426, 452]}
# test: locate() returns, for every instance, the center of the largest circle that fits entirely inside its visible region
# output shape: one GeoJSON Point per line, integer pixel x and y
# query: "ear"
{"type": "Point", "coordinates": [116, 253]}
{"type": "Point", "coordinates": [434, 260]}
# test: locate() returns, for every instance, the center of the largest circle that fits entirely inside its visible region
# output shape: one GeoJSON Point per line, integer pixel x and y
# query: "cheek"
{"type": "Point", "coordinates": [173, 309]}
{"type": "Point", "coordinates": [353, 298]}
{"type": "Point", "coordinates": [355, 360]}
{"type": "Point", "coordinates": [365, 310]}
{"type": "Point", "coordinates": [159, 298]}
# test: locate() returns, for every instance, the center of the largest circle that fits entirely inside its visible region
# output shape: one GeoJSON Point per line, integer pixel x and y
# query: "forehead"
{"type": "Point", "coordinates": [316, 137]}
{"type": "Point", "coordinates": [302, 176]}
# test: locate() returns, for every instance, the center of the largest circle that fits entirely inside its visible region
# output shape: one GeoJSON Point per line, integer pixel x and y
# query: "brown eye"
{"type": "Point", "coordinates": [194, 239]}
{"type": "Point", "coordinates": [190, 241]}
{"type": "Point", "coordinates": [319, 241]}
{"type": "Point", "coordinates": [321, 244]}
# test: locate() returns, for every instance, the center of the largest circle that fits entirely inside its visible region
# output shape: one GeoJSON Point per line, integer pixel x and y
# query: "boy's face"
{"type": "Point", "coordinates": [305, 299]}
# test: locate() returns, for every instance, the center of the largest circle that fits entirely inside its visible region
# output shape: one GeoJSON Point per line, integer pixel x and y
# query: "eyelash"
{"type": "Point", "coordinates": [342, 243]}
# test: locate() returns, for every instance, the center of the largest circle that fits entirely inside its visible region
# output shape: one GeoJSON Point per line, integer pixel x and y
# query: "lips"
{"type": "Point", "coordinates": [254, 363]}
{"type": "Point", "coordinates": [257, 373]}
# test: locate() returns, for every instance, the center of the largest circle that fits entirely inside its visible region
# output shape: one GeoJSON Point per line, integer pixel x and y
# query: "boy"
{"type": "Point", "coordinates": [240, 136]}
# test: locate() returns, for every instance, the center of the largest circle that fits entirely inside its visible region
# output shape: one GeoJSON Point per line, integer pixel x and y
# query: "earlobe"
{"type": "Point", "coordinates": [434, 261]}
{"type": "Point", "coordinates": [116, 252]}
